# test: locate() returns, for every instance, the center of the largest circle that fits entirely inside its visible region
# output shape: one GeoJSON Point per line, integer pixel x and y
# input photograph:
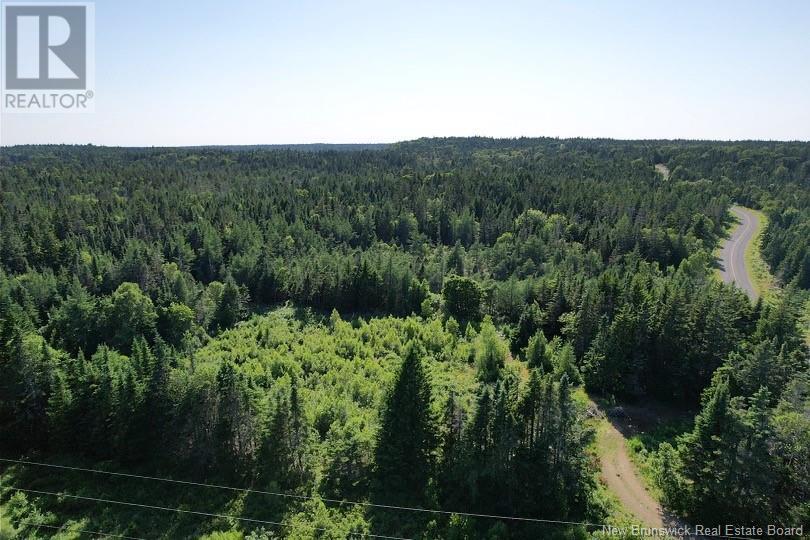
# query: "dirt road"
{"type": "Point", "coordinates": [621, 477]}
{"type": "Point", "coordinates": [619, 472]}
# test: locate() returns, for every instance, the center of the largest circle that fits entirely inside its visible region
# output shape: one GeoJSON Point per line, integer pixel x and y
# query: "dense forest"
{"type": "Point", "coordinates": [393, 340]}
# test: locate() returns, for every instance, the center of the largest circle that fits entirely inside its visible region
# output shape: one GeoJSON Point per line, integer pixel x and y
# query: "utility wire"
{"type": "Point", "coordinates": [194, 512]}
{"type": "Point", "coordinates": [97, 533]}
{"type": "Point", "coordinates": [337, 501]}
{"type": "Point", "coordinates": [306, 497]}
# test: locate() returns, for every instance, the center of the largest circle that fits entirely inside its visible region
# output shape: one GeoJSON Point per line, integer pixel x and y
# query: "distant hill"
{"type": "Point", "coordinates": [313, 147]}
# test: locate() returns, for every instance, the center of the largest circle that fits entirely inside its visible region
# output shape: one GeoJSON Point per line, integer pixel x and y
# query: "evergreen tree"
{"type": "Point", "coordinates": [286, 446]}
{"type": "Point", "coordinates": [755, 487]}
{"type": "Point", "coordinates": [59, 412]}
{"type": "Point", "coordinates": [565, 364]}
{"type": "Point", "coordinates": [148, 388]}
{"type": "Point", "coordinates": [531, 320]}
{"type": "Point", "coordinates": [407, 438]}
{"type": "Point", "coordinates": [449, 475]}
{"type": "Point", "coordinates": [708, 452]}
{"type": "Point", "coordinates": [490, 353]}
{"type": "Point", "coordinates": [537, 354]}
{"type": "Point", "coordinates": [231, 306]}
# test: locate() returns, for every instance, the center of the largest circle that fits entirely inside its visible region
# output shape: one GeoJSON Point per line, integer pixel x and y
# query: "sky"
{"type": "Point", "coordinates": [180, 72]}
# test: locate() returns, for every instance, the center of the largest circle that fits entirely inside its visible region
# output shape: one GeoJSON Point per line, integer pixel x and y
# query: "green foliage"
{"type": "Point", "coordinates": [230, 306]}
{"type": "Point", "coordinates": [490, 353]}
{"type": "Point", "coordinates": [407, 436]}
{"type": "Point", "coordinates": [287, 442]}
{"type": "Point", "coordinates": [529, 324]}
{"type": "Point", "coordinates": [537, 354]}
{"type": "Point", "coordinates": [746, 423]}
{"type": "Point", "coordinates": [564, 364]}
{"type": "Point", "coordinates": [26, 519]}
{"type": "Point", "coordinates": [784, 243]}
{"type": "Point", "coordinates": [462, 298]}
{"type": "Point", "coordinates": [521, 451]}
{"type": "Point", "coordinates": [129, 314]}
{"type": "Point", "coordinates": [131, 280]}
{"type": "Point", "coordinates": [175, 321]}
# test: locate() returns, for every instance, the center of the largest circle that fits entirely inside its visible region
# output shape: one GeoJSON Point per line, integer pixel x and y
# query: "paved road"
{"type": "Point", "coordinates": [732, 256]}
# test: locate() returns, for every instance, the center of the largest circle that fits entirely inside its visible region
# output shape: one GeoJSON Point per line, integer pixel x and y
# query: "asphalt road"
{"type": "Point", "coordinates": [732, 255]}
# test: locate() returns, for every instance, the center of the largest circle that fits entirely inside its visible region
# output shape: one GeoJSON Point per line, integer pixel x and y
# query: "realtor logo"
{"type": "Point", "coordinates": [47, 47]}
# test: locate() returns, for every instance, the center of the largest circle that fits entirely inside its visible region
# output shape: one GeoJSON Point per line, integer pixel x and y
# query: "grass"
{"type": "Point", "coordinates": [763, 281]}
{"type": "Point", "coordinates": [761, 278]}
{"type": "Point", "coordinates": [642, 448]}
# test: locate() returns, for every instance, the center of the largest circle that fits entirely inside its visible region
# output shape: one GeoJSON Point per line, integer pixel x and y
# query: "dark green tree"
{"type": "Point", "coordinates": [462, 298]}
{"type": "Point", "coordinates": [530, 323]}
{"type": "Point", "coordinates": [408, 437]}
{"type": "Point", "coordinates": [129, 313]}
{"type": "Point", "coordinates": [231, 306]}
{"type": "Point", "coordinates": [537, 354]}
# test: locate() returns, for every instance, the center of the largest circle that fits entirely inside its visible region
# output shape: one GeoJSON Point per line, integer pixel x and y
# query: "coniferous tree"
{"type": "Point", "coordinates": [708, 451]}
{"type": "Point", "coordinates": [407, 439]}
{"type": "Point", "coordinates": [236, 430]}
{"type": "Point", "coordinates": [60, 412]}
{"type": "Point", "coordinates": [449, 473]}
{"type": "Point", "coordinates": [286, 446]}
{"type": "Point", "coordinates": [537, 354]}
{"type": "Point", "coordinates": [531, 320]}
{"type": "Point", "coordinates": [231, 306]}
{"type": "Point", "coordinates": [490, 353]}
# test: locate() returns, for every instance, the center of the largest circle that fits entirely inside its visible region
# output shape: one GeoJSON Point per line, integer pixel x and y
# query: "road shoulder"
{"type": "Point", "coordinates": [762, 280]}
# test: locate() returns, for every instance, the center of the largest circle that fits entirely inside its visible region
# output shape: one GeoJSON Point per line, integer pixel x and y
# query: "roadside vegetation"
{"type": "Point", "coordinates": [761, 278]}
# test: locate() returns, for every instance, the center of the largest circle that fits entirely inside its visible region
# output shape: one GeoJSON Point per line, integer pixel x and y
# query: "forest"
{"type": "Point", "coordinates": [393, 341]}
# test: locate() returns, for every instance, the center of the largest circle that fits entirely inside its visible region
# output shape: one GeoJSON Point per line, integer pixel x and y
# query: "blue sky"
{"type": "Point", "coordinates": [172, 72]}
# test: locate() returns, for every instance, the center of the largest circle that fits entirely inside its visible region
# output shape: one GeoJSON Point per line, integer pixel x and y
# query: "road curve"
{"type": "Point", "coordinates": [732, 255]}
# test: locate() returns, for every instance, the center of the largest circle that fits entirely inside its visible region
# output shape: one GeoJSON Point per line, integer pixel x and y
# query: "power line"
{"type": "Point", "coordinates": [308, 497]}
{"type": "Point", "coordinates": [336, 501]}
{"type": "Point", "coordinates": [98, 533]}
{"type": "Point", "coordinates": [194, 512]}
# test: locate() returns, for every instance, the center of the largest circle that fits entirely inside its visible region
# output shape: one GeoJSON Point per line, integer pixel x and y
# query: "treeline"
{"type": "Point", "coordinates": [628, 323]}
{"type": "Point", "coordinates": [484, 280]}
{"type": "Point", "coordinates": [207, 210]}
{"type": "Point", "coordinates": [395, 411]}
{"type": "Point", "coordinates": [786, 245]}
{"type": "Point", "coordinates": [746, 458]}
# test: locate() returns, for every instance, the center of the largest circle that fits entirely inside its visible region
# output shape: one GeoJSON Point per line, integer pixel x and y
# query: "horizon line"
{"type": "Point", "coordinates": [457, 137]}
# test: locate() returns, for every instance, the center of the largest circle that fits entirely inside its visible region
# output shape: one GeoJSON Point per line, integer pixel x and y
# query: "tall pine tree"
{"type": "Point", "coordinates": [407, 436]}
